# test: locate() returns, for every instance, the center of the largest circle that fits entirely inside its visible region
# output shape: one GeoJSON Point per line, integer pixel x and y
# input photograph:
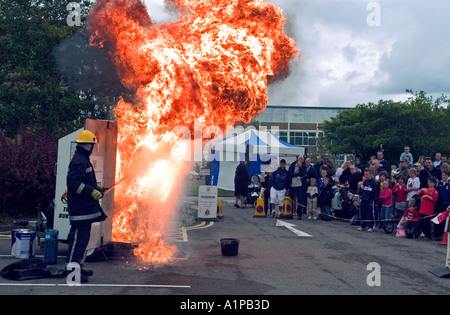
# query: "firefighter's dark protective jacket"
{"type": "Point", "coordinates": [81, 181]}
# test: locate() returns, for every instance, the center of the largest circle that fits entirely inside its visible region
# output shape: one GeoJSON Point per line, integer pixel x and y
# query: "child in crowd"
{"type": "Point", "coordinates": [407, 154]}
{"type": "Point", "coordinates": [381, 180]}
{"type": "Point", "coordinates": [325, 198]}
{"type": "Point", "coordinates": [413, 184]}
{"type": "Point", "coordinates": [386, 201]}
{"type": "Point", "coordinates": [312, 193]}
{"type": "Point", "coordinates": [429, 198]}
{"type": "Point", "coordinates": [394, 171]}
{"type": "Point", "coordinates": [321, 179]}
{"type": "Point", "coordinates": [443, 189]}
{"type": "Point", "coordinates": [367, 192]}
{"type": "Point", "coordinates": [411, 219]}
{"type": "Point", "coordinates": [399, 191]}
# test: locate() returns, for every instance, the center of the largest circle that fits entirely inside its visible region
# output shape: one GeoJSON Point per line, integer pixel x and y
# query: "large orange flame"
{"type": "Point", "coordinates": [212, 65]}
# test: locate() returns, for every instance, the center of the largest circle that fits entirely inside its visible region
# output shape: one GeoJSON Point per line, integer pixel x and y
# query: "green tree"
{"type": "Point", "coordinates": [421, 122]}
{"type": "Point", "coordinates": [38, 102]}
{"type": "Point", "coordinates": [32, 91]}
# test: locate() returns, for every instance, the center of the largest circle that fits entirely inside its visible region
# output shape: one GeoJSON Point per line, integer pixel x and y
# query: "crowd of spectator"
{"type": "Point", "coordinates": [370, 195]}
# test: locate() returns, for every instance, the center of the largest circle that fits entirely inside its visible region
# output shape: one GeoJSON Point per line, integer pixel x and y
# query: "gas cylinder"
{"type": "Point", "coordinates": [51, 247]}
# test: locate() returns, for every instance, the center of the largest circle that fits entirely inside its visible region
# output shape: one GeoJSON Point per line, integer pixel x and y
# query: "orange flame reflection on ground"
{"type": "Point", "coordinates": [213, 65]}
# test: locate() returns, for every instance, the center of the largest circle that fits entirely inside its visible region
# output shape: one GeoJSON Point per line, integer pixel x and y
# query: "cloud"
{"type": "Point", "coordinates": [341, 56]}
{"type": "Point", "coordinates": [345, 61]}
{"type": "Point", "coordinates": [420, 57]}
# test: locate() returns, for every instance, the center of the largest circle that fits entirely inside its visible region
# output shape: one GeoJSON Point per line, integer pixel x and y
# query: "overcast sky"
{"type": "Point", "coordinates": [346, 62]}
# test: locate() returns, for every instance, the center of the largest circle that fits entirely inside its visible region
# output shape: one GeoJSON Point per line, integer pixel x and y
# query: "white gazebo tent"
{"type": "Point", "coordinates": [263, 149]}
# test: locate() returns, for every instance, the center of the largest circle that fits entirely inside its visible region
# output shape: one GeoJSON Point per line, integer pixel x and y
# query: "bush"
{"type": "Point", "coordinates": [26, 172]}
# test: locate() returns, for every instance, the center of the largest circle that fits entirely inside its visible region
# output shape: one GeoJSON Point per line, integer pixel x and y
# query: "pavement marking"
{"type": "Point", "coordinates": [42, 256]}
{"type": "Point", "coordinates": [35, 256]}
{"type": "Point", "coordinates": [5, 235]}
{"type": "Point", "coordinates": [291, 228]}
{"type": "Point", "coordinates": [202, 225]}
{"type": "Point", "coordinates": [182, 237]}
{"type": "Point", "coordinates": [96, 285]}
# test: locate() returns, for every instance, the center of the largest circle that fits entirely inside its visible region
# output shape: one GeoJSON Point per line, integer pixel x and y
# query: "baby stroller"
{"type": "Point", "coordinates": [389, 226]}
{"type": "Point", "coordinates": [254, 190]}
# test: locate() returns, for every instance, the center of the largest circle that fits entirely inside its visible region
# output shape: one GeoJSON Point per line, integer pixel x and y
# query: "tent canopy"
{"type": "Point", "coordinates": [260, 142]}
{"type": "Point", "coordinates": [264, 151]}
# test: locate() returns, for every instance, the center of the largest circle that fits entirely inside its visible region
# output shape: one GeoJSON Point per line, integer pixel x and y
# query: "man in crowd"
{"type": "Point", "coordinates": [429, 171]}
{"type": "Point", "coordinates": [279, 184]}
{"type": "Point", "coordinates": [298, 184]}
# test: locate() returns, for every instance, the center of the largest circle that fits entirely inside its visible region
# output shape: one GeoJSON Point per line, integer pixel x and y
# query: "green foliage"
{"type": "Point", "coordinates": [26, 172]}
{"type": "Point", "coordinates": [32, 92]}
{"type": "Point", "coordinates": [420, 122]}
{"type": "Point", "coordinates": [36, 104]}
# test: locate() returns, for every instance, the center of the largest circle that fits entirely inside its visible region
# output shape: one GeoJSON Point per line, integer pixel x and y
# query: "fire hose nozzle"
{"type": "Point", "coordinates": [107, 190]}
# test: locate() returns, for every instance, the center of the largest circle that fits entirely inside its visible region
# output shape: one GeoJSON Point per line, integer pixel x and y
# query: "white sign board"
{"type": "Point", "coordinates": [103, 158]}
{"type": "Point", "coordinates": [66, 149]}
{"type": "Point", "coordinates": [207, 202]}
{"type": "Point", "coordinates": [205, 172]}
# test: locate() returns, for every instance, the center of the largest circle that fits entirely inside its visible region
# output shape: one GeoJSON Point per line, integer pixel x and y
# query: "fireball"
{"type": "Point", "coordinates": [212, 65]}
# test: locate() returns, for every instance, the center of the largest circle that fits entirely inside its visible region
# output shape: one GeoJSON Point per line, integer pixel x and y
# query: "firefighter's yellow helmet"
{"type": "Point", "coordinates": [86, 136]}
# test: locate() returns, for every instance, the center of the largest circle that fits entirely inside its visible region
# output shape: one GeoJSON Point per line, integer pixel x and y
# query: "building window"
{"type": "Point", "coordinates": [275, 115]}
{"type": "Point", "coordinates": [303, 138]}
{"type": "Point", "coordinates": [283, 135]}
{"type": "Point", "coordinates": [327, 115]}
{"type": "Point", "coordinates": [300, 115]}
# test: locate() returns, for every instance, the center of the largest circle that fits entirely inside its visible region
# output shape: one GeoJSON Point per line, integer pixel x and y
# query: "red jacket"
{"type": "Point", "coordinates": [427, 205]}
{"type": "Point", "coordinates": [399, 192]}
{"type": "Point", "coordinates": [386, 197]}
{"type": "Point", "coordinates": [412, 215]}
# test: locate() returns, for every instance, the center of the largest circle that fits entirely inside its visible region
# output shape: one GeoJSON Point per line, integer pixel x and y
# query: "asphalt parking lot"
{"type": "Point", "coordinates": [273, 260]}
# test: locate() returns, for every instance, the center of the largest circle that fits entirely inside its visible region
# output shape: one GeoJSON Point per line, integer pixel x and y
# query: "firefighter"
{"type": "Point", "coordinates": [83, 196]}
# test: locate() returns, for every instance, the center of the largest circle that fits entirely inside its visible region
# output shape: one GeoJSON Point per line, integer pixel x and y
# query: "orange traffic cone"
{"type": "Point", "coordinates": [219, 208]}
{"type": "Point", "coordinates": [444, 239]}
{"type": "Point", "coordinates": [286, 212]}
{"type": "Point", "coordinates": [446, 228]}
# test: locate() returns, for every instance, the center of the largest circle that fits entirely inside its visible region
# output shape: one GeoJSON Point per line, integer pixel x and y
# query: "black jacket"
{"type": "Point", "coordinates": [326, 196]}
{"type": "Point", "coordinates": [81, 181]}
{"type": "Point", "coordinates": [241, 180]}
{"type": "Point", "coordinates": [302, 173]}
{"type": "Point", "coordinates": [353, 181]}
{"type": "Point", "coordinates": [426, 173]}
{"type": "Point", "coordinates": [368, 191]}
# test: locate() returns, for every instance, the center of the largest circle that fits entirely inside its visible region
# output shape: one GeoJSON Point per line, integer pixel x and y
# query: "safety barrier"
{"type": "Point", "coordinates": [375, 220]}
{"type": "Point", "coordinates": [286, 211]}
{"type": "Point", "coordinates": [259, 209]}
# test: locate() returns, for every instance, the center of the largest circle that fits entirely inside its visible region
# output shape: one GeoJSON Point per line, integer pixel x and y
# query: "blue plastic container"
{"type": "Point", "coordinates": [51, 247]}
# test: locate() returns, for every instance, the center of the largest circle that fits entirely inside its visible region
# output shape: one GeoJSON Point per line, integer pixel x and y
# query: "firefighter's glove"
{"type": "Point", "coordinates": [100, 189]}
{"type": "Point", "coordinates": [96, 194]}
